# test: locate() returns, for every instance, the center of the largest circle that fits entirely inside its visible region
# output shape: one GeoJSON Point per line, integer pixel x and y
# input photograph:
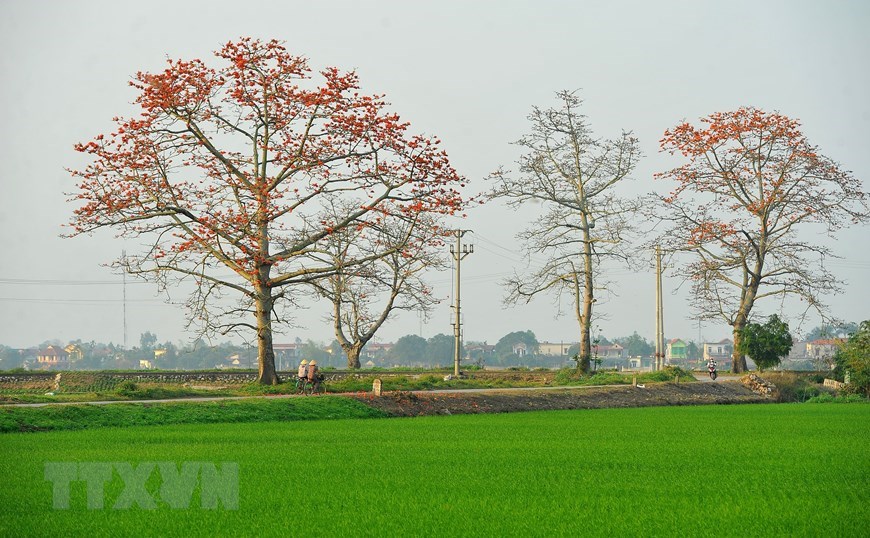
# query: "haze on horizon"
{"type": "Point", "coordinates": [468, 72]}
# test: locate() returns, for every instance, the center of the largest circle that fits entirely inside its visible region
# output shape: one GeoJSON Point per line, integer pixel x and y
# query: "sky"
{"type": "Point", "coordinates": [466, 71]}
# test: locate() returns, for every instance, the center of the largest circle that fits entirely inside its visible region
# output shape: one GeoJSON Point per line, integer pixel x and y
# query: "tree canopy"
{"type": "Point", "coordinates": [751, 180]}
{"type": "Point", "coordinates": [236, 174]}
{"type": "Point", "coordinates": [853, 360]}
{"type": "Point", "coordinates": [832, 330]}
{"type": "Point", "coordinates": [766, 343]}
{"type": "Point", "coordinates": [635, 345]}
{"type": "Point", "coordinates": [572, 175]}
{"type": "Point", "coordinates": [409, 349]}
{"type": "Point", "coordinates": [505, 346]}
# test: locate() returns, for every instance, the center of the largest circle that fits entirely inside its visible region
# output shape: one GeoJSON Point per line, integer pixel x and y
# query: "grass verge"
{"type": "Point", "coordinates": [89, 386]}
{"type": "Point", "coordinates": [77, 417]}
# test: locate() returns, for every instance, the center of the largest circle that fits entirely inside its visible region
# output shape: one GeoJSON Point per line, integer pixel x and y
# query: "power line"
{"type": "Point", "coordinates": [58, 282]}
{"type": "Point", "coordinates": [77, 301]}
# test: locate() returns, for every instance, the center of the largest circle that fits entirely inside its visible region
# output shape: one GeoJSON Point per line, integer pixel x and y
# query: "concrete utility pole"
{"type": "Point", "coordinates": [459, 252]}
{"type": "Point", "coordinates": [660, 318]}
{"type": "Point", "coordinates": [124, 267]}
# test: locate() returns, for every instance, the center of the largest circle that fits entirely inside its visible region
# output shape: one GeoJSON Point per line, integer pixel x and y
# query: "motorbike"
{"type": "Point", "coordinates": [712, 371]}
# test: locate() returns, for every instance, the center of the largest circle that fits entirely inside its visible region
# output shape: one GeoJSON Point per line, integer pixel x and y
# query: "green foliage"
{"type": "Point", "coordinates": [127, 388]}
{"type": "Point", "coordinates": [409, 349]}
{"type": "Point", "coordinates": [834, 330]}
{"type": "Point", "coordinates": [766, 343]}
{"type": "Point", "coordinates": [854, 358]}
{"type": "Point", "coordinates": [793, 387]}
{"type": "Point", "coordinates": [504, 347]}
{"type": "Point", "coordinates": [147, 340]}
{"type": "Point", "coordinates": [312, 350]}
{"type": "Point", "coordinates": [363, 383]}
{"type": "Point", "coordinates": [827, 397]}
{"type": "Point", "coordinates": [693, 351]}
{"type": "Point", "coordinates": [669, 373]}
{"type": "Point", "coordinates": [572, 376]}
{"type": "Point", "coordinates": [440, 349]}
{"type": "Point", "coordinates": [561, 473]}
{"type": "Point", "coordinates": [636, 345]}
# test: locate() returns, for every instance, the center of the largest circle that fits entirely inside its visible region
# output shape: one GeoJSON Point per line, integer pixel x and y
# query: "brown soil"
{"type": "Point", "coordinates": [410, 404]}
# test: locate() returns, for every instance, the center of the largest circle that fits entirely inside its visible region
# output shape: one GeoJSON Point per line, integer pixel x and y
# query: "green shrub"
{"type": "Point", "coordinates": [853, 358]}
{"type": "Point", "coordinates": [792, 387]}
{"type": "Point", "coordinates": [827, 397]}
{"type": "Point", "coordinates": [566, 376]}
{"type": "Point", "coordinates": [667, 374]}
{"type": "Point", "coordinates": [818, 377]}
{"type": "Point", "coordinates": [126, 388]}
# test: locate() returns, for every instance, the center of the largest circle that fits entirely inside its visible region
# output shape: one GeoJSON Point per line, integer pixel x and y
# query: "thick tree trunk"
{"type": "Point", "coordinates": [353, 352]}
{"type": "Point", "coordinates": [265, 352]}
{"type": "Point", "coordinates": [583, 300]}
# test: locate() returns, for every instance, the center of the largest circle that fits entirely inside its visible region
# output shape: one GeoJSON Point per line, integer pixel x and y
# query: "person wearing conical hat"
{"type": "Point", "coordinates": [312, 370]}
{"type": "Point", "coordinates": [303, 369]}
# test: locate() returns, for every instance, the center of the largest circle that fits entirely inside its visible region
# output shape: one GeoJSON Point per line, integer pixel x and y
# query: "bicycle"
{"type": "Point", "coordinates": [300, 385]}
{"type": "Point", "coordinates": [308, 387]}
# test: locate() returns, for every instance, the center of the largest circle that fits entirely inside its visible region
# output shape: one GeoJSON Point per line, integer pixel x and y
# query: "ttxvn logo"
{"type": "Point", "coordinates": [177, 484]}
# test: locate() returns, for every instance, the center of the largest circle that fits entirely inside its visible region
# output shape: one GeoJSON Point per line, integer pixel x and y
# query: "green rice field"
{"type": "Point", "coordinates": [749, 470]}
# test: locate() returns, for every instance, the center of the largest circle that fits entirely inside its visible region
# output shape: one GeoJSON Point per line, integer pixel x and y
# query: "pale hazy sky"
{"type": "Point", "coordinates": [466, 71]}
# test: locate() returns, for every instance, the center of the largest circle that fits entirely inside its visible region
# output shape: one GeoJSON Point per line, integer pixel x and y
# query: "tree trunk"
{"type": "Point", "coordinates": [738, 361]}
{"type": "Point", "coordinates": [584, 316]}
{"type": "Point", "coordinates": [353, 353]}
{"type": "Point", "coordinates": [265, 352]}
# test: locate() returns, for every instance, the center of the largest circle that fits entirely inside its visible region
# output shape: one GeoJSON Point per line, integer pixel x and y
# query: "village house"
{"type": "Point", "coordinates": [52, 358]}
{"type": "Point", "coordinates": [520, 349]}
{"type": "Point", "coordinates": [824, 349]}
{"type": "Point", "coordinates": [287, 356]}
{"type": "Point", "coordinates": [720, 352]}
{"type": "Point", "coordinates": [614, 351]}
{"type": "Point", "coordinates": [559, 349]}
{"type": "Point", "coordinates": [676, 352]}
{"type": "Point", "coordinates": [377, 352]}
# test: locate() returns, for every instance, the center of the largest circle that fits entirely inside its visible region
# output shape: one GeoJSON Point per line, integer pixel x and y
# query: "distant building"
{"type": "Point", "coordinates": [287, 356]}
{"type": "Point", "coordinates": [798, 350]}
{"type": "Point", "coordinates": [614, 351]}
{"type": "Point", "coordinates": [74, 352]}
{"type": "Point", "coordinates": [477, 348]}
{"type": "Point", "coordinates": [822, 350]}
{"type": "Point", "coordinates": [234, 361]}
{"type": "Point", "coordinates": [520, 349]}
{"type": "Point", "coordinates": [145, 364]}
{"type": "Point", "coordinates": [377, 352]}
{"type": "Point", "coordinates": [554, 349]}
{"type": "Point", "coordinates": [52, 358]}
{"type": "Point", "coordinates": [676, 352]}
{"type": "Point", "coordinates": [720, 352]}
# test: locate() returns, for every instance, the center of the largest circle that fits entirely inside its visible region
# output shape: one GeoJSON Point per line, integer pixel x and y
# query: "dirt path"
{"type": "Point", "coordinates": [507, 400]}
{"type": "Point", "coordinates": [463, 401]}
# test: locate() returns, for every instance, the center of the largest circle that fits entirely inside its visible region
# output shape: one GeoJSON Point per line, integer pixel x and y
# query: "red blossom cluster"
{"type": "Point", "coordinates": [235, 160]}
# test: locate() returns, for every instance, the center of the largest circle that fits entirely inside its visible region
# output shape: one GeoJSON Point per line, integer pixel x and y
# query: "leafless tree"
{"type": "Point", "coordinates": [571, 174]}
{"type": "Point", "coordinates": [364, 296]}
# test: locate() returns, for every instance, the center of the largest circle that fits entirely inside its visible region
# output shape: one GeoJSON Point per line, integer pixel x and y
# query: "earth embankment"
{"type": "Point", "coordinates": [407, 404]}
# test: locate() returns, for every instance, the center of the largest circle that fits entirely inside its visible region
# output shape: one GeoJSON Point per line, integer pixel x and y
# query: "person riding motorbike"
{"type": "Point", "coordinates": [711, 368]}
